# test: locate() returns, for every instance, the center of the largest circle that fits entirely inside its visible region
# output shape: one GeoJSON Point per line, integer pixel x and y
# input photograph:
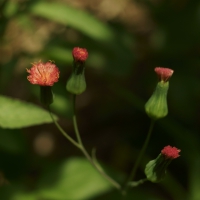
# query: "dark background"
{"type": "Point", "coordinates": [126, 40]}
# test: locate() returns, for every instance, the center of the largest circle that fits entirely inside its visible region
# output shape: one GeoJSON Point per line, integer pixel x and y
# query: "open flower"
{"type": "Point", "coordinates": [163, 73]}
{"type": "Point", "coordinates": [79, 54]}
{"type": "Point", "coordinates": [43, 74]}
{"type": "Point", "coordinates": [170, 152]}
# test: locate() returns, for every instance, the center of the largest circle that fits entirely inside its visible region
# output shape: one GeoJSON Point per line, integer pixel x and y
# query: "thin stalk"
{"type": "Point", "coordinates": [137, 183]}
{"type": "Point", "coordinates": [63, 132]}
{"type": "Point", "coordinates": [137, 163]}
{"type": "Point", "coordinates": [75, 122]}
{"type": "Point", "coordinates": [89, 158]}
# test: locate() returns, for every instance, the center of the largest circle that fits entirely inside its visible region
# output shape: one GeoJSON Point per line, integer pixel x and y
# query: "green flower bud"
{"type": "Point", "coordinates": [156, 107]}
{"type": "Point", "coordinates": [156, 169]}
{"type": "Point", "coordinates": [46, 95]}
{"type": "Point", "coordinates": [76, 83]}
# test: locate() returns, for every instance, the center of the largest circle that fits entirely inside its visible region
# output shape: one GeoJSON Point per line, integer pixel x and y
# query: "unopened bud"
{"type": "Point", "coordinates": [156, 169]}
{"type": "Point", "coordinates": [76, 83]}
{"type": "Point", "coordinates": [156, 107]}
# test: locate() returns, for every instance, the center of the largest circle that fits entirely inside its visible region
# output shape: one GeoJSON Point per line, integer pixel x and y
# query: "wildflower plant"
{"type": "Point", "coordinates": [46, 74]}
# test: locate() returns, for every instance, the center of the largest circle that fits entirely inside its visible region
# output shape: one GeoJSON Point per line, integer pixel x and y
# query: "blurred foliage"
{"type": "Point", "coordinates": [18, 114]}
{"type": "Point", "coordinates": [125, 40]}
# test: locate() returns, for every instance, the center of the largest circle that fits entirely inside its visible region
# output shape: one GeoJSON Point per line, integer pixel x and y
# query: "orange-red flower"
{"type": "Point", "coordinates": [79, 54]}
{"type": "Point", "coordinates": [43, 74]}
{"type": "Point", "coordinates": [170, 152]}
{"type": "Point", "coordinates": [164, 73]}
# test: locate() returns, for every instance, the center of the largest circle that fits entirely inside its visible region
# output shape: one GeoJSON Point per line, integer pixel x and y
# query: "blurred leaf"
{"type": "Point", "coordinates": [10, 8]}
{"type": "Point", "coordinates": [24, 196]}
{"type": "Point", "coordinates": [79, 19]}
{"type": "Point", "coordinates": [17, 114]}
{"type": "Point", "coordinates": [74, 179]}
{"type": "Point", "coordinates": [59, 53]}
{"type": "Point", "coordinates": [194, 192]}
{"type": "Point", "coordinates": [16, 192]}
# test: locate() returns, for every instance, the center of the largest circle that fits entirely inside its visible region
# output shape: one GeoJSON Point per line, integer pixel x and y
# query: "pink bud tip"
{"type": "Point", "coordinates": [164, 73]}
{"type": "Point", "coordinates": [170, 152]}
{"type": "Point", "coordinates": [80, 54]}
{"type": "Point", "coordinates": [43, 74]}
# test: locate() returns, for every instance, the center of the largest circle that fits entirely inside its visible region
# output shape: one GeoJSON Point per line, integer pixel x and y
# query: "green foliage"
{"type": "Point", "coordinates": [77, 18]}
{"type": "Point", "coordinates": [72, 179]}
{"type": "Point", "coordinates": [18, 114]}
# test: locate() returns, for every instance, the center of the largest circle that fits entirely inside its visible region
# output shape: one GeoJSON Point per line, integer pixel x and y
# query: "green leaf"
{"type": "Point", "coordinates": [74, 179]}
{"type": "Point", "coordinates": [18, 114]}
{"type": "Point", "coordinates": [79, 19]}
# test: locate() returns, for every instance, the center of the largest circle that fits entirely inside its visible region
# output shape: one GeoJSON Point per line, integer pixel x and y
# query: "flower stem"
{"type": "Point", "coordinates": [137, 183]}
{"type": "Point", "coordinates": [84, 151]}
{"type": "Point", "coordinates": [134, 170]}
{"type": "Point", "coordinates": [63, 132]}
{"type": "Point", "coordinates": [75, 122]}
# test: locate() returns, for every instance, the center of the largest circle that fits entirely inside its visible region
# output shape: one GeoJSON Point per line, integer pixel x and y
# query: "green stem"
{"type": "Point", "coordinates": [137, 163]}
{"type": "Point", "coordinates": [75, 122]}
{"type": "Point", "coordinates": [89, 158]}
{"type": "Point", "coordinates": [62, 131]}
{"type": "Point", "coordinates": [137, 183]}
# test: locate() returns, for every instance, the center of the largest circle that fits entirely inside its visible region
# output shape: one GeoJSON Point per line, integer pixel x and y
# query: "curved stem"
{"type": "Point", "coordinates": [82, 148]}
{"type": "Point", "coordinates": [62, 131]}
{"type": "Point", "coordinates": [134, 170]}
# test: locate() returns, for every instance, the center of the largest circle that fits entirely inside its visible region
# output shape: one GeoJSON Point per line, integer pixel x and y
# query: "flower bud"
{"type": "Point", "coordinates": [156, 169]}
{"type": "Point", "coordinates": [76, 83]}
{"type": "Point", "coordinates": [156, 107]}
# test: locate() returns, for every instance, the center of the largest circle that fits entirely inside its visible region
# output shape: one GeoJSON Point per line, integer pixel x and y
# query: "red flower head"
{"type": "Point", "coordinates": [43, 74]}
{"type": "Point", "coordinates": [80, 54]}
{"type": "Point", "coordinates": [170, 152]}
{"type": "Point", "coordinates": [164, 73]}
